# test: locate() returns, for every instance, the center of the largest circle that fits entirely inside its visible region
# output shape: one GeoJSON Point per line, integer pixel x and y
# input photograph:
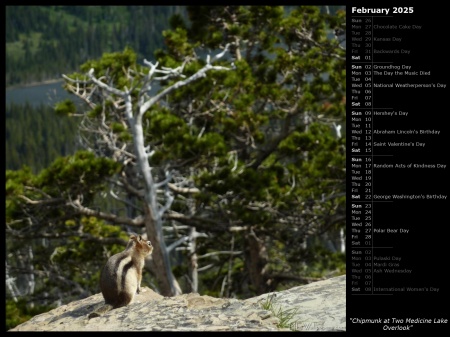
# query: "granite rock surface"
{"type": "Point", "coordinates": [318, 306]}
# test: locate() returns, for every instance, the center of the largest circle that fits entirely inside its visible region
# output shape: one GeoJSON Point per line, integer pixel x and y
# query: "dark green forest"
{"type": "Point", "coordinates": [42, 42]}
{"type": "Point", "coordinates": [234, 168]}
{"type": "Point", "coordinates": [35, 136]}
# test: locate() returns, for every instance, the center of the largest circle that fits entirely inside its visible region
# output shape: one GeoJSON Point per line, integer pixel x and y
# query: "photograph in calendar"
{"type": "Point", "coordinates": [177, 168]}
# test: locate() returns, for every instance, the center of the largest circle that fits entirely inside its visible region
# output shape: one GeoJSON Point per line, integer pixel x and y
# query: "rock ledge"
{"type": "Point", "coordinates": [317, 306]}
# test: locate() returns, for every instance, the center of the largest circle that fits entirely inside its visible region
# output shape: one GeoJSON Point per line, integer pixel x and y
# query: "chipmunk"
{"type": "Point", "coordinates": [122, 274]}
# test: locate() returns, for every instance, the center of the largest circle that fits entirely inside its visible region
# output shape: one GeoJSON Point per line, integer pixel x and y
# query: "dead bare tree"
{"type": "Point", "coordinates": [130, 105]}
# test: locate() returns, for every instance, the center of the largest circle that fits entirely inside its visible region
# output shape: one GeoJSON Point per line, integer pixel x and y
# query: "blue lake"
{"type": "Point", "coordinates": [48, 93]}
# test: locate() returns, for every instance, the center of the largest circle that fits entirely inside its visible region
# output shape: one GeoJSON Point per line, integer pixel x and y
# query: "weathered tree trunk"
{"type": "Point", "coordinates": [193, 258]}
{"type": "Point", "coordinates": [168, 285]}
{"type": "Point", "coordinates": [256, 260]}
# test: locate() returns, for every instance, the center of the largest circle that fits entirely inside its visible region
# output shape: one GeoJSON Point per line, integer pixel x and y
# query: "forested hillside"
{"type": "Point", "coordinates": [44, 41]}
{"type": "Point", "coordinates": [35, 136]}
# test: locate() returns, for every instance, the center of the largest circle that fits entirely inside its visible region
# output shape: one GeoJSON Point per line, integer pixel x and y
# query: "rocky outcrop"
{"type": "Point", "coordinates": [317, 306]}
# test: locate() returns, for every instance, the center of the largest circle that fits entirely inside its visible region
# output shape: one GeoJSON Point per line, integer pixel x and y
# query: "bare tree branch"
{"type": "Point", "coordinates": [106, 216]}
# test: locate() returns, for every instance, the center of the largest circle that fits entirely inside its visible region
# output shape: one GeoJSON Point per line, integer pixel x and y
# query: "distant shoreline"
{"type": "Point", "coordinates": [36, 93]}
{"type": "Point", "coordinates": [34, 84]}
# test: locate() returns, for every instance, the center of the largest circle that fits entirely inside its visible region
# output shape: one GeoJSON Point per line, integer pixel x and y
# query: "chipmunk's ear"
{"type": "Point", "coordinates": [133, 240]}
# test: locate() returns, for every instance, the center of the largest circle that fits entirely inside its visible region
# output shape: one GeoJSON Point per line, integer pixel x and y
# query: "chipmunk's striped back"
{"type": "Point", "coordinates": [121, 276]}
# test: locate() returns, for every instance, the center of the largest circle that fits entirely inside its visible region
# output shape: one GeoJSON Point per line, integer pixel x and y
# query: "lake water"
{"type": "Point", "coordinates": [46, 93]}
